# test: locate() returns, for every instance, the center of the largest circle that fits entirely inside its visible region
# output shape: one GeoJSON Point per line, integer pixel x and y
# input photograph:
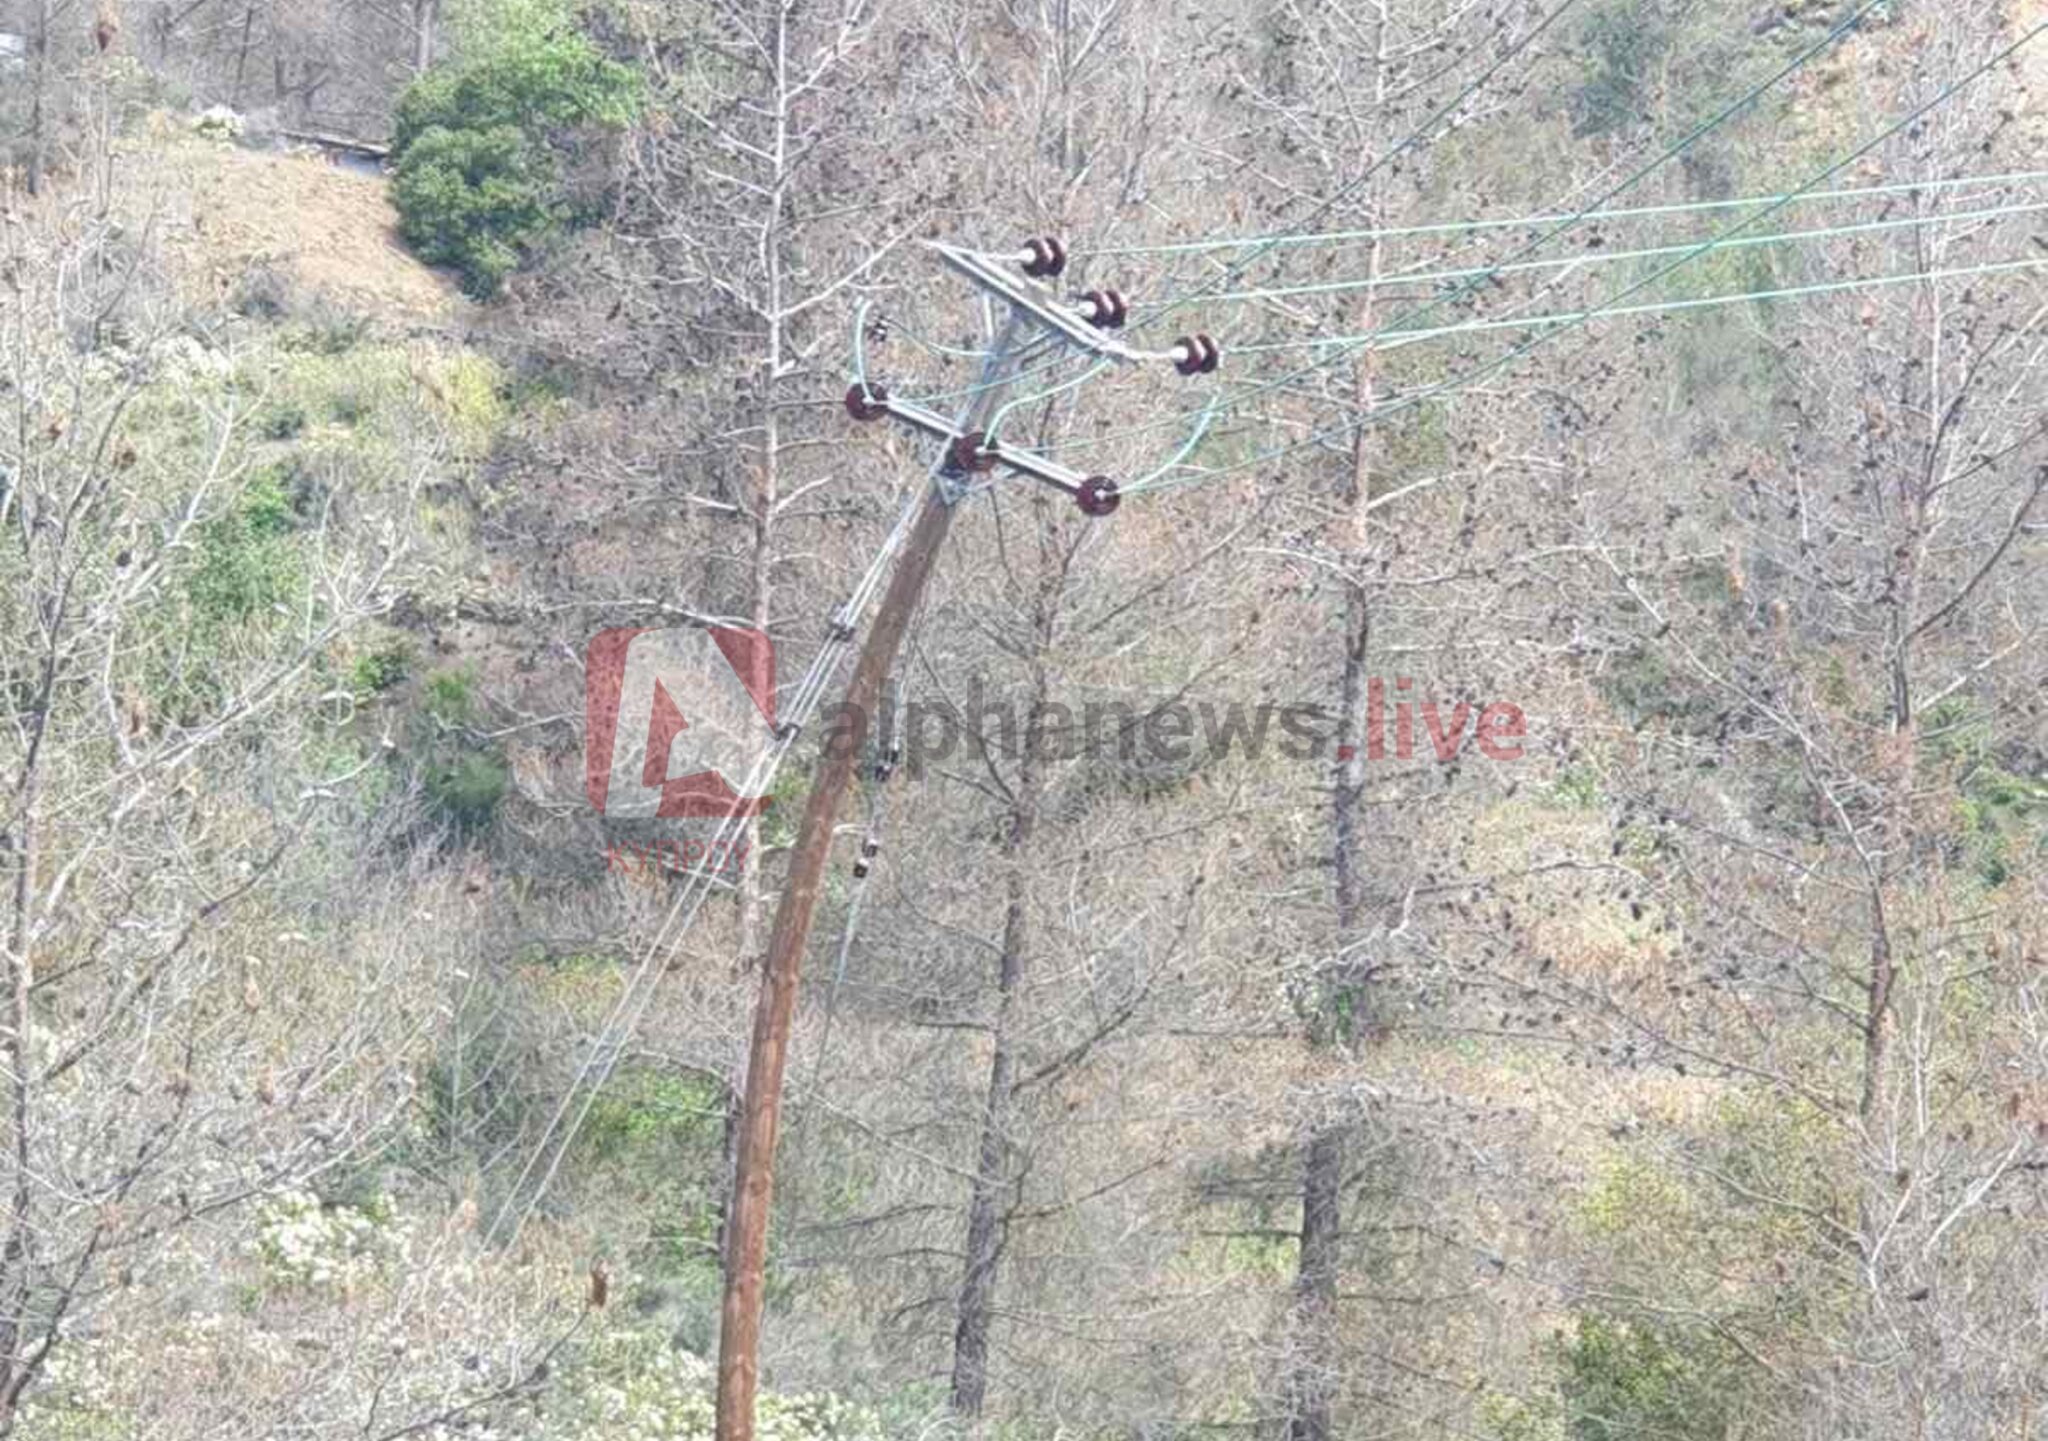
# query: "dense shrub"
{"type": "Point", "coordinates": [1624, 43]}
{"type": "Point", "coordinates": [534, 74]}
{"type": "Point", "coordinates": [466, 788]}
{"type": "Point", "coordinates": [463, 774]}
{"type": "Point", "coordinates": [1626, 1382]}
{"type": "Point", "coordinates": [472, 199]}
{"type": "Point", "coordinates": [481, 144]}
{"type": "Point", "coordinates": [247, 560]}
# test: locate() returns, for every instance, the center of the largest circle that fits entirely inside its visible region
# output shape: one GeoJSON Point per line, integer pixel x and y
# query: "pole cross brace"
{"type": "Point", "coordinates": [968, 452]}
{"type": "Point", "coordinates": [1038, 301]}
{"type": "Point", "coordinates": [1049, 472]}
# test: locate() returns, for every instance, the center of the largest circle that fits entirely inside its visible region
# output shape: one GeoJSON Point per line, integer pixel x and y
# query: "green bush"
{"type": "Point", "coordinates": [660, 1136]}
{"type": "Point", "coordinates": [1625, 43]}
{"type": "Point", "coordinates": [284, 421]}
{"type": "Point", "coordinates": [382, 667]}
{"type": "Point", "coordinates": [538, 77]}
{"type": "Point", "coordinates": [473, 199]}
{"type": "Point", "coordinates": [472, 1101]}
{"type": "Point", "coordinates": [1622, 1381]}
{"type": "Point", "coordinates": [462, 775]}
{"type": "Point", "coordinates": [480, 144]}
{"type": "Point", "coordinates": [450, 697]}
{"type": "Point", "coordinates": [247, 560]}
{"type": "Point", "coordinates": [1647, 688]}
{"type": "Point", "coordinates": [467, 788]}
{"type": "Point", "coordinates": [2001, 813]}
{"type": "Point", "coordinates": [641, 1108]}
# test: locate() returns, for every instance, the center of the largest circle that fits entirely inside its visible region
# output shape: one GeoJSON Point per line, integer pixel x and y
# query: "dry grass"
{"type": "Point", "coordinates": [223, 211]}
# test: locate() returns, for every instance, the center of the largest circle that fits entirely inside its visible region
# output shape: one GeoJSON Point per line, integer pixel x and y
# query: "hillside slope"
{"type": "Point", "coordinates": [226, 211]}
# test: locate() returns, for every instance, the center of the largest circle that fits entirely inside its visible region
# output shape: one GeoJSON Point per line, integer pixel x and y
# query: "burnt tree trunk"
{"type": "Point", "coordinates": [1314, 1368]}
{"type": "Point", "coordinates": [39, 85]}
{"type": "Point", "coordinates": [986, 1232]}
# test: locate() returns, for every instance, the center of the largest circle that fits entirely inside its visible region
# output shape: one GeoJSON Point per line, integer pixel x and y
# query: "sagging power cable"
{"type": "Point", "coordinates": [1706, 247]}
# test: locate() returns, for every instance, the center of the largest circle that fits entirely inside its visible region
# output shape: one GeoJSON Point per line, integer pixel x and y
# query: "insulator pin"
{"type": "Point", "coordinates": [1044, 256]}
{"type": "Point", "coordinates": [1098, 496]}
{"type": "Point", "coordinates": [867, 402]}
{"type": "Point", "coordinates": [971, 452]}
{"type": "Point", "coordinates": [1196, 354]}
{"type": "Point", "coordinates": [1105, 309]}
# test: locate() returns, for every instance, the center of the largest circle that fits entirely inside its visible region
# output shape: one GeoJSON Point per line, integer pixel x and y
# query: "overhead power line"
{"type": "Point", "coordinates": [1236, 268]}
{"type": "Point", "coordinates": [1393, 340]}
{"type": "Point", "coordinates": [1677, 149]}
{"type": "Point", "coordinates": [602, 1057]}
{"type": "Point", "coordinates": [1603, 257]}
{"type": "Point", "coordinates": [1239, 395]}
{"type": "Point", "coordinates": [1706, 247]}
{"type": "Point", "coordinates": [1523, 222]}
{"type": "Point", "coordinates": [1358, 182]}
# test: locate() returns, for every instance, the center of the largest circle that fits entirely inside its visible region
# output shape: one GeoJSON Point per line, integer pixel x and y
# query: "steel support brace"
{"type": "Point", "coordinates": [1037, 301]}
{"type": "Point", "coordinates": [1024, 462]}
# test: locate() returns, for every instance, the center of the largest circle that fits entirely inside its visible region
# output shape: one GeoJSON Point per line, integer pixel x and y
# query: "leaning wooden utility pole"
{"type": "Point", "coordinates": [967, 448]}
{"type": "Point", "coordinates": [739, 1332]}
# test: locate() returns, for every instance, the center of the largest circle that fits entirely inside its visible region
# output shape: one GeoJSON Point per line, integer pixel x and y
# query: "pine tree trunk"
{"type": "Point", "coordinates": [1312, 1383]}
{"type": "Point", "coordinates": [985, 1230]}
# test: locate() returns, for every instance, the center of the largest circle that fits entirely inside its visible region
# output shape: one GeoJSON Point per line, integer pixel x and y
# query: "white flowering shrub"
{"type": "Point", "coordinates": [74, 1400]}
{"type": "Point", "coordinates": [302, 1241]}
{"type": "Point", "coordinates": [615, 1382]}
{"type": "Point", "coordinates": [636, 1386]}
{"type": "Point", "coordinates": [217, 122]}
{"type": "Point", "coordinates": [189, 360]}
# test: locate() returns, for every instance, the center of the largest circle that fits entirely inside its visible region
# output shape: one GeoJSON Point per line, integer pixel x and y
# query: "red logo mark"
{"type": "Point", "coordinates": [674, 718]}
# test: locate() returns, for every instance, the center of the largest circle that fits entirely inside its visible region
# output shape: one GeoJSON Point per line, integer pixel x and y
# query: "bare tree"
{"type": "Point", "coordinates": [1824, 665]}
{"type": "Point", "coordinates": [169, 615]}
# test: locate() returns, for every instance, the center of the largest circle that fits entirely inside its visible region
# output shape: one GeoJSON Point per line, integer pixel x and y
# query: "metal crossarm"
{"type": "Point", "coordinates": [970, 448]}
{"type": "Point", "coordinates": [1024, 462]}
{"type": "Point", "coordinates": [1038, 301]}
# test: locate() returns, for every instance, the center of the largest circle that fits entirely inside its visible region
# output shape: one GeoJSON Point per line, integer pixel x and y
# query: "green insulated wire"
{"type": "Point", "coordinates": [1603, 257]}
{"type": "Point", "coordinates": [1704, 248]}
{"type": "Point", "coordinates": [938, 347]}
{"type": "Point", "coordinates": [860, 362]}
{"type": "Point", "coordinates": [860, 349]}
{"type": "Point", "coordinates": [1396, 340]}
{"type": "Point", "coordinates": [1678, 148]}
{"type": "Point", "coordinates": [1413, 138]}
{"type": "Point", "coordinates": [1061, 356]}
{"type": "Point", "coordinates": [995, 424]}
{"type": "Point", "coordinates": [1461, 227]}
{"type": "Point", "coordinates": [1187, 449]}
